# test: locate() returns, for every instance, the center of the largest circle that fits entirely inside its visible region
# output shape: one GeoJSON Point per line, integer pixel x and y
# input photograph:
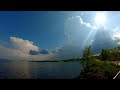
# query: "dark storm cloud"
{"type": "Point", "coordinates": [69, 51]}
{"type": "Point", "coordinates": [103, 40]}
{"type": "Point", "coordinates": [33, 52]}
{"type": "Point", "coordinates": [54, 51]}
{"type": "Point", "coordinates": [80, 34]}
{"type": "Point", "coordinates": [44, 51]}
{"type": "Point", "coordinates": [77, 34]}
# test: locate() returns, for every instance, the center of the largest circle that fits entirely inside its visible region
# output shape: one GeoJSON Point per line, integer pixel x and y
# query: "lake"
{"type": "Point", "coordinates": [39, 70]}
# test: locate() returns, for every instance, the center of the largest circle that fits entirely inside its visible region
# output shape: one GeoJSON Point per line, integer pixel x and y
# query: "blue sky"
{"type": "Point", "coordinates": [43, 28]}
{"type": "Point", "coordinates": [55, 34]}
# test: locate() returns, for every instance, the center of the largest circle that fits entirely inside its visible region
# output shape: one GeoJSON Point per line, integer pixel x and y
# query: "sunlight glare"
{"type": "Point", "coordinates": [100, 18]}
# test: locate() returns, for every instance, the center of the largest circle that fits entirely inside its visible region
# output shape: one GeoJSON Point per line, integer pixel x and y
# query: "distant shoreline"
{"type": "Point", "coordinates": [44, 61]}
{"type": "Point", "coordinates": [73, 60]}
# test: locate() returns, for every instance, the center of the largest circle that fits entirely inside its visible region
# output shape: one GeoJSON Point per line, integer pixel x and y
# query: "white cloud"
{"type": "Point", "coordinates": [20, 51]}
{"type": "Point", "coordinates": [116, 28]}
{"type": "Point", "coordinates": [118, 43]}
{"type": "Point", "coordinates": [23, 45]}
{"type": "Point", "coordinates": [9, 53]}
{"type": "Point", "coordinates": [78, 34]}
{"type": "Point", "coordinates": [82, 13]}
{"type": "Point", "coordinates": [16, 54]}
{"type": "Point", "coordinates": [116, 36]}
{"type": "Point", "coordinates": [77, 31]}
{"type": "Point", "coordinates": [87, 24]}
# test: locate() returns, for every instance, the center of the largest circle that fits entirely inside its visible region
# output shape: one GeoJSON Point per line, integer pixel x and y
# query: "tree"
{"type": "Point", "coordinates": [87, 57]}
{"type": "Point", "coordinates": [105, 54]}
{"type": "Point", "coordinates": [103, 57]}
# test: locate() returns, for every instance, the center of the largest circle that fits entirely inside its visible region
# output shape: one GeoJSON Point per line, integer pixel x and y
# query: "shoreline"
{"type": "Point", "coordinates": [100, 71]}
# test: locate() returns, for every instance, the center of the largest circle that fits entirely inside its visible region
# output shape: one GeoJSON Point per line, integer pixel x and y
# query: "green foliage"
{"type": "Point", "coordinates": [105, 54]}
{"type": "Point", "coordinates": [72, 60]}
{"type": "Point", "coordinates": [100, 70]}
{"type": "Point", "coordinates": [87, 57]}
{"type": "Point", "coordinates": [94, 68]}
{"type": "Point", "coordinates": [110, 54]}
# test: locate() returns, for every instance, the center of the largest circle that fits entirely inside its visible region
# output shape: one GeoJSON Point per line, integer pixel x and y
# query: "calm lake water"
{"type": "Point", "coordinates": [39, 70]}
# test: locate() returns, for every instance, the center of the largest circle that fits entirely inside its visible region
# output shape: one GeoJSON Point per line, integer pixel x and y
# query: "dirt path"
{"type": "Point", "coordinates": [115, 62]}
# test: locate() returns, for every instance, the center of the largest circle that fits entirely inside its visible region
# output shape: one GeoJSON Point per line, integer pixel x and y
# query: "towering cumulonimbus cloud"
{"type": "Point", "coordinates": [80, 34]}
{"type": "Point", "coordinates": [23, 50]}
{"type": "Point", "coordinates": [23, 45]}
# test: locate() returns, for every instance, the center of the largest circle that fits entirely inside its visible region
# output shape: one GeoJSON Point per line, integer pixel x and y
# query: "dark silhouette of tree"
{"type": "Point", "coordinates": [111, 54]}
{"type": "Point", "coordinates": [87, 57]}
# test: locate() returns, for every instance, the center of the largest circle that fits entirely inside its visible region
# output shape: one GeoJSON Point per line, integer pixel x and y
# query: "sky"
{"type": "Point", "coordinates": [48, 35]}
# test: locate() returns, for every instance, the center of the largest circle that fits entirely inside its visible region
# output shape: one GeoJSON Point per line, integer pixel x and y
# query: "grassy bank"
{"type": "Point", "coordinates": [99, 70]}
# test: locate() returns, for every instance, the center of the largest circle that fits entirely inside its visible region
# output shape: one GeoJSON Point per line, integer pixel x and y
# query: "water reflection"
{"type": "Point", "coordinates": [39, 70]}
{"type": "Point", "coordinates": [18, 69]}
